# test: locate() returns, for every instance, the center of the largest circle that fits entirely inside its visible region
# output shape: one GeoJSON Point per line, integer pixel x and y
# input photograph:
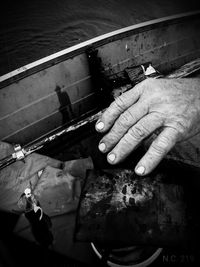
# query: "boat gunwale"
{"type": "Point", "coordinates": [77, 49]}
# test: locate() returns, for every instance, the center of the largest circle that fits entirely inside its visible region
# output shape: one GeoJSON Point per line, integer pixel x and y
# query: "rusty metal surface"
{"type": "Point", "coordinates": [117, 207]}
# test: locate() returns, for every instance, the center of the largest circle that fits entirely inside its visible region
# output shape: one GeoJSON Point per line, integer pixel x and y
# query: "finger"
{"type": "Point", "coordinates": [120, 104]}
{"type": "Point", "coordinates": [156, 152]}
{"type": "Point", "coordinates": [124, 122]}
{"type": "Point", "coordinates": [133, 137]}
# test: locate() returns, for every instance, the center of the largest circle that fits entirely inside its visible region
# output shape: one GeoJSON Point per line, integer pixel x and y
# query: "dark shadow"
{"type": "Point", "coordinates": [65, 105]}
{"type": "Point", "coordinates": [101, 84]}
{"type": "Point", "coordinates": [16, 251]}
{"type": "Point", "coordinates": [7, 222]}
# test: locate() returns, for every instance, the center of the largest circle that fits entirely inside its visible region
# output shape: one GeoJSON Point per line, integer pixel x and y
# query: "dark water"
{"type": "Point", "coordinates": [30, 30]}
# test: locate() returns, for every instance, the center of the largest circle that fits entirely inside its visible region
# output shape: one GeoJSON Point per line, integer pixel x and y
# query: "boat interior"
{"type": "Point", "coordinates": [50, 109]}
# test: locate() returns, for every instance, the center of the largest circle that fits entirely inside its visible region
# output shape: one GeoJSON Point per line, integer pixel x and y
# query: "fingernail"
{"type": "Point", "coordinates": [111, 157]}
{"type": "Point", "coordinates": [102, 147]}
{"type": "Point", "coordinates": [140, 170]}
{"type": "Point", "coordinates": [99, 125]}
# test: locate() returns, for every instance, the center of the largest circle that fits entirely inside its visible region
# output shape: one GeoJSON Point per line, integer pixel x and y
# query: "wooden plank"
{"type": "Point", "coordinates": [119, 208]}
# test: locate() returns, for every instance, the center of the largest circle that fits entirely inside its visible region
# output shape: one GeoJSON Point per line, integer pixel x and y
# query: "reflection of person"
{"type": "Point", "coordinates": [65, 105]}
{"type": "Point", "coordinates": [171, 106]}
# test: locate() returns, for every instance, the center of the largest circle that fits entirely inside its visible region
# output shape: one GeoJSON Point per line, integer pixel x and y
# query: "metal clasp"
{"type": "Point", "coordinates": [19, 153]}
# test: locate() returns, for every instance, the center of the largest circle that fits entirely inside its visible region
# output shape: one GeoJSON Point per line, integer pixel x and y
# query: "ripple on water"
{"type": "Point", "coordinates": [32, 30]}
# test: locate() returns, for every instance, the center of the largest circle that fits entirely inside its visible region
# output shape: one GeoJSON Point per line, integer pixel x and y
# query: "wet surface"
{"type": "Point", "coordinates": [30, 31]}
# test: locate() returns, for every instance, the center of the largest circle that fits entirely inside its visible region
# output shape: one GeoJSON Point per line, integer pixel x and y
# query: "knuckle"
{"type": "Point", "coordinates": [114, 135]}
{"type": "Point", "coordinates": [111, 137]}
{"type": "Point", "coordinates": [181, 126]}
{"type": "Point", "coordinates": [161, 146]}
{"type": "Point", "coordinates": [120, 102]}
{"type": "Point", "coordinates": [120, 125]}
{"type": "Point", "coordinates": [157, 149]}
{"type": "Point", "coordinates": [125, 119]}
{"type": "Point", "coordinates": [127, 140]}
{"type": "Point", "coordinates": [138, 132]}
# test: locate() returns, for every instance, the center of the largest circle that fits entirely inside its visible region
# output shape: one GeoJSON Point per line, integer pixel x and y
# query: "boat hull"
{"type": "Point", "coordinates": [47, 94]}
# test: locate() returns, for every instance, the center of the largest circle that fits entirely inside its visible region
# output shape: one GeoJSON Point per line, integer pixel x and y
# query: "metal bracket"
{"type": "Point", "coordinates": [19, 152]}
{"type": "Point", "coordinates": [149, 71]}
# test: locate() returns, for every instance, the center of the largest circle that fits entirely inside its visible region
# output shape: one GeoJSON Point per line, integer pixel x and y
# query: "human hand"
{"type": "Point", "coordinates": [170, 105]}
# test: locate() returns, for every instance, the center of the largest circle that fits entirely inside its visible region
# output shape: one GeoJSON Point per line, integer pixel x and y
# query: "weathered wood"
{"type": "Point", "coordinates": [119, 208]}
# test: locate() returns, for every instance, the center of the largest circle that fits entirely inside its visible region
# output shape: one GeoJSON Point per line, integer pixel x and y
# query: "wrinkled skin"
{"type": "Point", "coordinates": [171, 106]}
